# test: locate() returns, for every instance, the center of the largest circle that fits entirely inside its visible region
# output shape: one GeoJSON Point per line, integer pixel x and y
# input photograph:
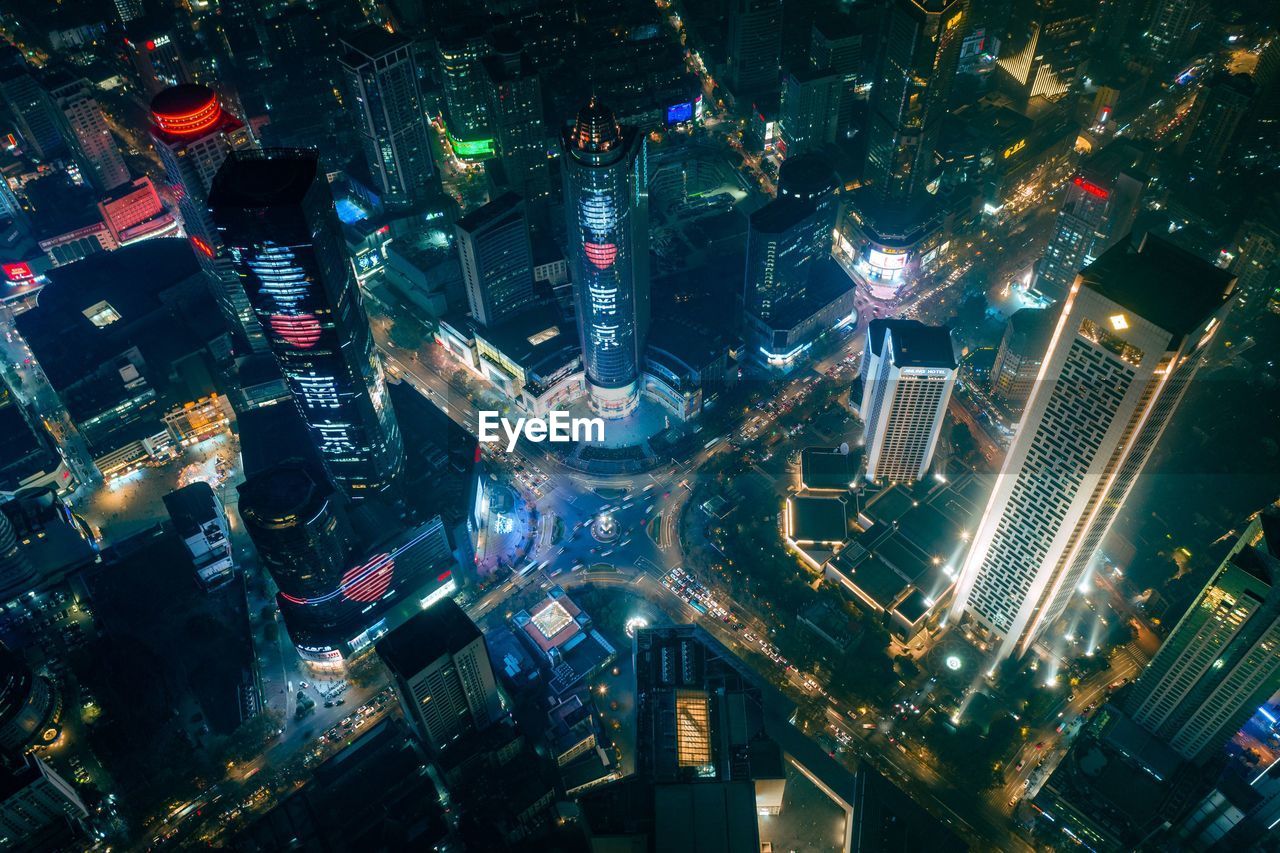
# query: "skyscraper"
{"type": "Point", "coordinates": [1222, 660]}
{"type": "Point", "coordinates": [442, 674]}
{"type": "Point", "coordinates": [908, 371]}
{"type": "Point", "coordinates": [515, 106]}
{"type": "Point", "coordinates": [156, 58]}
{"type": "Point", "coordinates": [1046, 42]}
{"type": "Point", "coordinates": [274, 212]}
{"type": "Point", "coordinates": [35, 115]}
{"type": "Point", "coordinates": [919, 46]}
{"type": "Point", "coordinates": [299, 527]}
{"type": "Point", "coordinates": [459, 49]}
{"type": "Point", "coordinates": [1171, 28]}
{"type": "Point", "coordinates": [606, 200]}
{"type": "Point", "coordinates": [1219, 110]}
{"type": "Point", "coordinates": [386, 107]}
{"type": "Point", "coordinates": [1099, 207]}
{"type": "Point", "coordinates": [193, 135]}
{"type": "Point", "coordinates": [754, 46]}
{"type": "Point", "coordinates": [497, 259]}
{"type": "Point", "coordinates": [1022, 351]}
{"type": "Point", "coordinates": [92, 138]}
{"type": "Point", "coordinates": [1128, 342]}
{"type": "Point", "coordinates": [780, 256]}
{"type": "Point", "coordinates": [810, 109]}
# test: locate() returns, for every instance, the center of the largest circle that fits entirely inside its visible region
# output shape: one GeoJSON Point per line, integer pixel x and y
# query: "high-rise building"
{"type": "Point", "coordinates": [908, 371]}
{"type": "Point", "coordinates": [128, 10]}
{"type": "Point", "coordinates": [1099, 208]}
{"type": "Point", "coordinates": [156, 58]}
{"type": "Point", "coordinates": [919, 46]}
{"type": "Point", "coordinates": [606, 201]}
{"type": "Point", "coordinates": [1022, 351]}
{"type": "Point", "coordinates": [780, 256]}
{"type": "Point", "coordinates": [497, 259]}
{"type": "Point", "coordinates": [841, 44]}
{"type": "Point", "coordinates": [35, 115]}
{"type": "Point", "coordinates": [386, 108]}
{"type": "Point", "coordinates": [274, 213]}
{"type": "Point", "coordinates": [1257, 256]}
{"type": "Point", "coordinates": [193, 135]}
{"type": "Point", "coordinates": [754, 46]}
{"type": "Point", "coordinates": [1045, 45]}
{"type": "Point", "coordinates": [459, 49]}
{"type": "Point", "coordinates": [1171, 28]}
{"type": "Point", "coordinates": [299, 526]}
{"type": "Point", "coordinates": [1222, 659]}
{"type": "Point", "coordinates": [95, 146]}
{"type": "Point", "coordinates": [1128, 342]}
{"type": "Point", "coordinates": [35, 797]}
{"type": "Point", "coordinates": [515, 106]}
{"type": "Point", "coordinates": [1220, 108]}
{"type": "Point", "coordinates": [810, 109]}
{"type": "Point", "coordinates": [442, 674]}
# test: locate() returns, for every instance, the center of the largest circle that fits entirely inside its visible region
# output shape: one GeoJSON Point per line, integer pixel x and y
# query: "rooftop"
{"type": "Point", "coordinates": [914, 343]}
{"type": "Point", "coordinates": [817, 520]}
{"type": "Point", "coordinates": [442, 629]}
{"type": "Point", "coordinates": [277, 177]}
{"type": "Point", "coordinates": [369, 43]}
{"type": "Point", "coordinates": [1160, 282]}
{"type": "Point", "coordinates": [828, 467]}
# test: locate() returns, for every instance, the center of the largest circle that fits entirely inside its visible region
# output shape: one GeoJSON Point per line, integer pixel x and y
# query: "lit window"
{"type": "Point", "coordinates": [101, 314]}
{"type": "Point", "coordinates": [1119, 322]}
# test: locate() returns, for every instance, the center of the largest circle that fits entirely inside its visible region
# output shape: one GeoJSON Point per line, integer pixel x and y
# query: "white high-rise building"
{"type": "Point", "coordinates": [908, 371]}
{"type": "Point", "coordinates": [1131, 335]}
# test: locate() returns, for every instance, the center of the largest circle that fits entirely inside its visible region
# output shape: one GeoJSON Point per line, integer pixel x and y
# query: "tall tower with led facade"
{"type": "Point", "coordinates": [193, 135]}
{"type": "Point", "coordinates": [607, 209]}
{"type": "Point", "coordinates": [1129, 340]}
{"type": "Point", "coordinates": [274, 213]}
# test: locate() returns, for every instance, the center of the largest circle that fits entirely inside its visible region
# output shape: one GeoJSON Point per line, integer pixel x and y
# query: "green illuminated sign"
{"type": "Point", "coordinates": [471, 148]}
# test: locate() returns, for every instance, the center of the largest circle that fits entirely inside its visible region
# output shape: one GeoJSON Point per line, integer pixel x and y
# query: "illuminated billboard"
{"type": "Point", "coordinates": [472, 149]}
{"type": "Point", "coordinates": [886, 265]}
{"type": "Point", "coordinates": [677, 113]}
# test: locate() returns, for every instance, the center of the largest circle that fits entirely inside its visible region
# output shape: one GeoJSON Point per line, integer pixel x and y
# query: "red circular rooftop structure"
{"type": "Point", "coordinates": [186, 110]}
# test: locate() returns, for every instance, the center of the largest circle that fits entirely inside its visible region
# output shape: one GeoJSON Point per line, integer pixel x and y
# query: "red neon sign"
{"type": "Point", "coordinates": [1091, 188]}
{"type": "Point", "coordinates": [444, 576]}
{"type": "Point", "coordinates": [199, 120]}
{"type": "Point", "coordinates": [369, 582]}
{"type": "Point", "coordinates": [202, 247]}
{"type": "Point", "coordinates": [19, 273]}
{"type": "Point", "coordinates": [301, 330]}
{"type": "Point", "coordinates": [601, 255]}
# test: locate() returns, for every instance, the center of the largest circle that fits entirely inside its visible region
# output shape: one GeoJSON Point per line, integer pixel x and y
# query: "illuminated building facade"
{"type": "Point", "coordinates": [1128, 343]}
{"type": "Point", "coordinates": [459, 50]}
{"type": "Point", "coordinates": [1046, 44]}
{"type": "Point", "coordinates": [1099, 207]}
{"type": "Point", "coordinates": [193, 135]}
{"type": "Point", "coordinates": [605, 167]}
{"type": "Point", "coordinates": [908, 372]}
{"type": "Point", "coordinates": [440, 667]}
{"type": "Point", "coordinates": [1222, 660]}
{"type": "Point", "coordinates": [96, 146]}
{"type": "Point", "coordinates": [338, 590]}
{"type": "Point", "coordinates": [386, 108]}
{"type": "Point", "coordinates": [274, 213]}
